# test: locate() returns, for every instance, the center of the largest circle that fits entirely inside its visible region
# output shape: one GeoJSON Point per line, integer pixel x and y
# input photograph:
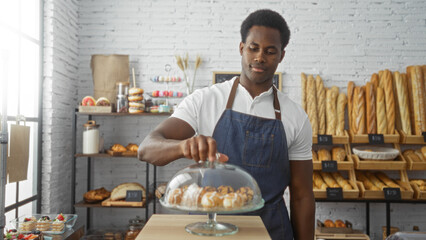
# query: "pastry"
{"type": "Point", "coordinates": [28, 224]}
{"type": "Point", "coordinates": [136, 104]}
{"type": "Point", "coordinates": [318, 181]}
{"type": "Point", "coordinates": [175, 196]}
{"type": "Point", "coordinates": [132, 147]}
{"type": "Point", "coordinates": [375, 180]}
{"type": "Point", "coordinates": [358, 111]}
{"type": "Point", "coordinates": [341, 104]}
{"type": "Point", "coordinates": [374, 81]}
{"type": "Point", "coordinates": [331, 115]}
{"type": "Point", "coordinates": [161, 189]}
{"type": "Point", "coordinates": [311, 104]}
{"type": "Point", "coordinates": [212, 200]}
{"type": "Point", "coordinates": [58, 223]}
{"type": "Point", "coordinates": [118, 148]}
{"type": "Point", "coordinates": [381, 112]}
{"type": "Point", "coordinates": [246, 194]}
{"type": "Point", "coordinates": [389, 101]}
{"type": "Point", "coordinates": [324, 155]}
{"type": "Point", "coordinates": [321, 106]}
{"type": "Point", "coordinates": [371, 108]}
{"type": "Point", "coordinates": [350, 91]}
{"type": "Point", "coordinates": [389, 182]}
{"type": "Point", "coordinates": [329, 180]}
{"type": "Point", "coordinates": [418, 95]}
{"type": "Point", "coordinates": [232, 200]}
{"type": "Point", "coordinates": [192, 196]}
{"type": "Point", "coordinates": [329, 223]}
{"type": "Point", "coordinates": [338, 154]}
{"type": "Point", "coordinates": [225, 189]}
{"type": "Point", "coordinates": [339, 223]}
{"type": "Point", "coordinates": [304, 90]}
{"type": "Point", "coordinates": [43, 224]}
{"type": "Point", "coordinates": [343, 183]}
{"type": "Point", "coordinates": [119, 192]}
{"type": "Point", "coordinates": [96, 195]}
{"type": "Point", "coordinates": [403, 106]}
{"type": "Point", "coordinates": [418, 182]}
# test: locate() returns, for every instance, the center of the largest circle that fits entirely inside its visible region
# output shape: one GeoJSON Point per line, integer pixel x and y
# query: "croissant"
{"type": "Point", "coordinates": [132, 147]}
{"type": "Point", "coordinates": [118, 148]}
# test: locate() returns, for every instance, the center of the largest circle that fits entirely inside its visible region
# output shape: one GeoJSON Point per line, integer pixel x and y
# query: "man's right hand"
{"type": "Point", "coordinates": [202, 148]}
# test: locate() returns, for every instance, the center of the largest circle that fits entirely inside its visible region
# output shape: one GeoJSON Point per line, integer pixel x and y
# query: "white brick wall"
{"type": "Point", "coordinates": [341, 41]}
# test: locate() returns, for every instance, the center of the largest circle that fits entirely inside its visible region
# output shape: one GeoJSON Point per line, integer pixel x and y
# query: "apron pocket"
{"type": "Point", "coordinates": [258, 149]}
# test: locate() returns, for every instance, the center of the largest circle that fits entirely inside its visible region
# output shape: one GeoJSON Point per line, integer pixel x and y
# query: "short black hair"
{"type": "Point", "coordinates": [267, 18]}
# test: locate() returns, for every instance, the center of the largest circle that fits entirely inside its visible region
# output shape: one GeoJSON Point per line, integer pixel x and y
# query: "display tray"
{"type": "Point", "coordinates": [418, 194]}
{"type": "Point", "coordinates": [356, 235]}
{"type": "Point", "coordinates": [347, 194]}
{"type": "Point", "coordinates": [121, 203]}
{"type": "Point", "coordinates": [411, 139]}
{"type": "Point", "coordinates": [403, 181]}
{"type": "Point", "coordinates": [122, 154]}
{"type": "Point", "coordinates": [323, 229]}
{"type": "Point", "coordinates": [363, 138]}
{"type": "Point", "coordinates": [369, 164]}
{"type": "Point", "coordinates": [95, 109]}
{"type": "Point", "coordinates": [70, 220]}
{"type": "Point", "coordinates": [336, 139]}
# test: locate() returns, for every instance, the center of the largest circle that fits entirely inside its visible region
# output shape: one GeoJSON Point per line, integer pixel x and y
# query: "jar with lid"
{"type": "Point", "coordinates": [122, 94]}
{"type": "Point", "coordinates": [90, 137]}
{"type": "Point", "coordinates": [135, 226]}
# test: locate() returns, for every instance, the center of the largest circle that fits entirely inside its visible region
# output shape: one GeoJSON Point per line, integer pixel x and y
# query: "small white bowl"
{"type": "Point", "coordinates": [376, 153]}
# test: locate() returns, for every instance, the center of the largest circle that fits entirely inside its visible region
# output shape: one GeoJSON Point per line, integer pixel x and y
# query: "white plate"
{"type": "Point", "coordinates": [376, 153]}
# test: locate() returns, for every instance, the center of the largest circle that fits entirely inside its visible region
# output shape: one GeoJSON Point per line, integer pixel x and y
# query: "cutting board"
{"type": "Point", "coordinates": [121, 203]}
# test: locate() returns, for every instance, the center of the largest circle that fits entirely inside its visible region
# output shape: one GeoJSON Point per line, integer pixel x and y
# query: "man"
{"type": "Point", "coordinates": [242, 119]}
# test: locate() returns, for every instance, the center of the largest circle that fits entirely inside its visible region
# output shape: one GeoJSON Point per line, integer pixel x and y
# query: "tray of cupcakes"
{"type": "Point", "coordinates": [46, 223]}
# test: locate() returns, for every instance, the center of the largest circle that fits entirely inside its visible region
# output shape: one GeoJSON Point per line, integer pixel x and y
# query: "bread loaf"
{"type": "Point", "coordinates": [329, 180]}
{"type": "Point", "coordinates": [371, 108]}
{"type": "Point", "coordinates": [418, 100]}
{"type": "Point", "coordinates": [343, 183]}
{"type": "Point", "coordinates": [311, 104]}
{"type": "Point", "coordinates": [358, 111]}
{"type": "Point", "coordinates": [320, 104]}
{"type": "Point", "coordinates": [318, 181]}
{"type": "Point", "coordinates": [119, 192]}
{"type": "Point", "coordinates": [324, 155]}
{"type": "Point", "coordinates": [338, 154]}
{"type": "Point", "coordinates": [423, 149]}
{"type": "Point", "coordinates": [303, 91]}
{"type": "Point", "coordinates": [341, 104]}
{"type": "Point", "coordinates": [331, 115]}
{"type": "Point", "coordinates": [380, 77]}
{"type": "Point", "coordinates": [410, 99]}
{"type": "Point", "coordinates": [375, 81]}
{"type": "Point", "coordinates": [389, 182]}
{"type": "Point", "coordinates": [419, 153]}
{"type": "Point", "coordinates": [375, 180]}
{"type": "Point", "coordinates": [381, 112]}
{"type": "Point", "coordinates": [389, 101]}
{"type": "Point", "coordinates": [403, 106]}
{"type": "Point", "coordinates": [314, 156]}
{"type": "Point", "coordinates": [367, 183]}
{"type": "Point", "coordinates": [350, 91]}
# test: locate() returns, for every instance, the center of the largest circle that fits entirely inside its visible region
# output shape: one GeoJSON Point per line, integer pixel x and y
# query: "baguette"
{"type": "Point", "coordinates": [329, 180]}
{"type": "Point", "coordinates": [311, 104]}
{"type": "Point", "coordinates": [343, 183]}
{"type": "Point", "coordinates": [320, 104]}
{"type": "Point", "coordinates": [314, 156]}
{"type": "Point", "coordinates": [389, 182]}
{"type": "Point", "coordinates": [338, 154]}
{"type": "Point", "coordinates": [423, 149]}
{"type": "Point", "coordinates": [331, 114]}
{"type": "Point", "coordinates": [389, 101]}
{"type": "Point", "coordinates": [367, 183]}
{"type": "Point", "coordinates": [375, 180]}
{"type": "Point", "coordinates": [303, 83]}
{"type": "Point", "coordinates": [358, 111]}
{"type": "Point", "coordinates": [375, 81]}
{"type": "Point", "coordinates": [402, 96]}
{"type": "Point", "coordinates": [324, 155]}
{"type": "Point", "coordinates": [350, 91]}
{"type": "Point", "coordinates": [410, 100]}
{"type": "Point", "coordinates": [319, 182]}
{"type": "Point", "coordinates": [341, 104]}
{"type": "Point", "coordinates": [381, 112]}
{"type": "Point", "coordinates": [419, 153]}
{"type": "Point", "coordinates": [418, 100]}
{"type": "Point", "coordinates": [371, 108]}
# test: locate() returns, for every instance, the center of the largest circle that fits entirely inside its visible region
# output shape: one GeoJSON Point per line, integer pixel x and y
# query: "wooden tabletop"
{"type": "Point", "coordinates": [172, 226]}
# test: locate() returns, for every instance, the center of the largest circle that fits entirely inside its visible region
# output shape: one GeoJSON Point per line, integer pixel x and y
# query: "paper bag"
{"type": "Point", "coordinates": [17, 161]}
{"type": "Point", "coordinates": [106, 71]}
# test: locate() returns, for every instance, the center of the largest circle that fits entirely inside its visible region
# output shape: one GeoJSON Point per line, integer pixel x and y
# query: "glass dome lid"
{"type": "Point", "coordinates": [213, 187]}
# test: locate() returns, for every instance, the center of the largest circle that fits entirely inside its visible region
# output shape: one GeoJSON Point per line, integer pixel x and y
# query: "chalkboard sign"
{"type": "Point", "coordinates": [325, 139]}
{"type": "Point", "coordinates": [133, 196]}
{"type": "Point", "coordinates": [334, 193]}
{"type": "Point", "coordinates": [376, 139]}
{"type": "Point", "coordinates": [329, 166]}
{"type": "Point", "coordinates": [219, 77]}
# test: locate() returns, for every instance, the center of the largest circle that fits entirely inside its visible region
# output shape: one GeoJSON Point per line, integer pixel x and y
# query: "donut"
{"type": "Point", "coordinates": [175, 196]}
{"type": "Point", "coordinates": [211, 200]}
{"type": "Point", "coordinates": [225, 189]}
{"type": "Point", "coordinates": [232, 200]}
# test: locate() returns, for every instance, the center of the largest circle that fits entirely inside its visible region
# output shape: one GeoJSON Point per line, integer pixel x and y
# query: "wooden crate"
{"type": "Point", "coordinates": [398, 164]}
{"type": "Point", "coordinates": [354, 193]}
{"type": "Point", "coordinates": [404, 182]}
{"type": "Point", "coordinates": [121, 203]}
{"type": "Point", "coordinates": [336, 139]}
{"type": "Point", "coordinates": [418, 194]}
{"type": "Point", "coordinates": [348, 164]}
{"type": "Point", "coordinates": [338, 236]}
{"type": "Point", "coordinates": [363, 138]}
{"type": "Point", "coordinates": [411, 139]}
{"type": "Point", "coordinates": [412, 165]}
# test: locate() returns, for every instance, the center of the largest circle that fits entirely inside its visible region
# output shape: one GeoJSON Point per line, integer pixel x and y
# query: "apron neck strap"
{"type": "Point", "coordinates": [231, 98]}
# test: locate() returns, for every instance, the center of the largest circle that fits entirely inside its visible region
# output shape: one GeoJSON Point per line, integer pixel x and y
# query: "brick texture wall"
{"type": "Point", "coordinates": [340, 40]}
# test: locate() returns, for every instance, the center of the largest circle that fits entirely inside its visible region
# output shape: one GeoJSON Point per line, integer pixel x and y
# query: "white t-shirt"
{"type": "Point", "coordinates": [203, 108]}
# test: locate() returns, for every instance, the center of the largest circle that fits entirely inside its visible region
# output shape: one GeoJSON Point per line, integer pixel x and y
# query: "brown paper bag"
{"type": "Point", "coordinates": [17, 161]}
{"type": "Point", "coordinates": [106, 71]}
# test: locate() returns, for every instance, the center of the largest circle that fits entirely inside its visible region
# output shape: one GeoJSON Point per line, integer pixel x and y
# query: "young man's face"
{"type": "Point", "coordinates": [261, 54]}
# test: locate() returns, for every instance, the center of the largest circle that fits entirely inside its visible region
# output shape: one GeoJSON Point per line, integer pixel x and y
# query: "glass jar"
{"type": "Point", "coordinates": [135, 226]}
{"type": "Point", "coordinates": [122, 88]}
{"type": "Point", "coordinates": [122, 104]}
{"type": "Point", "coordinates": [90, 137]}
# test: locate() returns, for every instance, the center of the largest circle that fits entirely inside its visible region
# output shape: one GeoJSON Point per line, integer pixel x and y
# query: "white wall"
{"type": "Point", "coordinates": [340, 40]}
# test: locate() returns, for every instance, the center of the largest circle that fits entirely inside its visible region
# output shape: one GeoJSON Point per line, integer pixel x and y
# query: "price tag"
{"type": "Point", "coordinates": [424, 136]}
{"type": "Point", "coordinates": [376, 139]}
{"type": "Point", "coordinates": [334, 193]}
{"type": "Point", "coordinates": [325, 139]}
{"type": "Point", "coordinates": [392, 193]}
{"type": "Point", "coordinates": [329, 166]}
{"type": "Point", "coordinates": [134, 196]}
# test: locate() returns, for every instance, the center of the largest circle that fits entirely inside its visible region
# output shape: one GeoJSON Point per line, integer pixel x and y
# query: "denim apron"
{"type": "Point", "coordinates": [259, 146]}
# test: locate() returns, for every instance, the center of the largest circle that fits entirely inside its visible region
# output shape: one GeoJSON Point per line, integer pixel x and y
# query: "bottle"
{"type": "Point", "coordinates": [122, 94]}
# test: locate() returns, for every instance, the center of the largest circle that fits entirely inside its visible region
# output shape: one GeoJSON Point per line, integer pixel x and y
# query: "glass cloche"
{"type": "Point", "coordinates": [212, 187]}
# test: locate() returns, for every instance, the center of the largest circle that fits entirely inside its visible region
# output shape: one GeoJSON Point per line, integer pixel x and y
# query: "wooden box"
{"type": "Point", "coordinates": [322, 229]}
{"type": "Point", "coordinates": [398, 164]}
{"type": "Point", "coordinates": [403, 181]}
{"type": "Point", "coordinates": [95, 109]}
{"type": "Point", "coordinates": [348, 164]}
{"type": "Point", "coordinates": [339, 236]}
{"type": "Point", "coordinates": [363, 138]}
{"type": "Point", "coordinates": [411, 139]}
{"type": "Point", "coordinates": [418, 194]}
{"type": "Point", "coordinates": [412, 165]}
{"type": "Point", "coordinates": [336, 139]}
{"type": "Point", "coordinates": [354, 193]}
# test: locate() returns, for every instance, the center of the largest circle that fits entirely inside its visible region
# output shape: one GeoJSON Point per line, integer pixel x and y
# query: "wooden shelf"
{"type": "Point", "coordinates": [102, 155]}
{"type": "Point", "coordinates": [363, 138]}
{"type": "Point", "coordinates": [83, 204]}
{"type": "Point", "coordinates": [411, 139]}
{"type": "Point", "coordinates": [122, 114]}
{"type": "Point", "coordinates": [336, 139]}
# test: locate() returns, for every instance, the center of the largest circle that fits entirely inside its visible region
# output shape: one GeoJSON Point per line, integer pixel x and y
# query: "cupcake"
{"type": "Point", "coordinates": [43, 224]}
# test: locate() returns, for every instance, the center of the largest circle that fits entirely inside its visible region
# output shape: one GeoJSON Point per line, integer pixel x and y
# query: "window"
{"type": "Point", "coordinates": [20, 71]}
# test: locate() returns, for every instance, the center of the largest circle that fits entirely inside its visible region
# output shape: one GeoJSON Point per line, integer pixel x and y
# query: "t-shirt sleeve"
{"type": "Point", "coordinates": [301, 148]}
{"type": "Point", "coordinates": [187, 110]}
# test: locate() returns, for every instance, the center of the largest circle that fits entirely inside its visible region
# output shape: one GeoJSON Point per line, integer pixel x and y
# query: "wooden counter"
{"type": "Point", "coordinates": [172, 226]}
